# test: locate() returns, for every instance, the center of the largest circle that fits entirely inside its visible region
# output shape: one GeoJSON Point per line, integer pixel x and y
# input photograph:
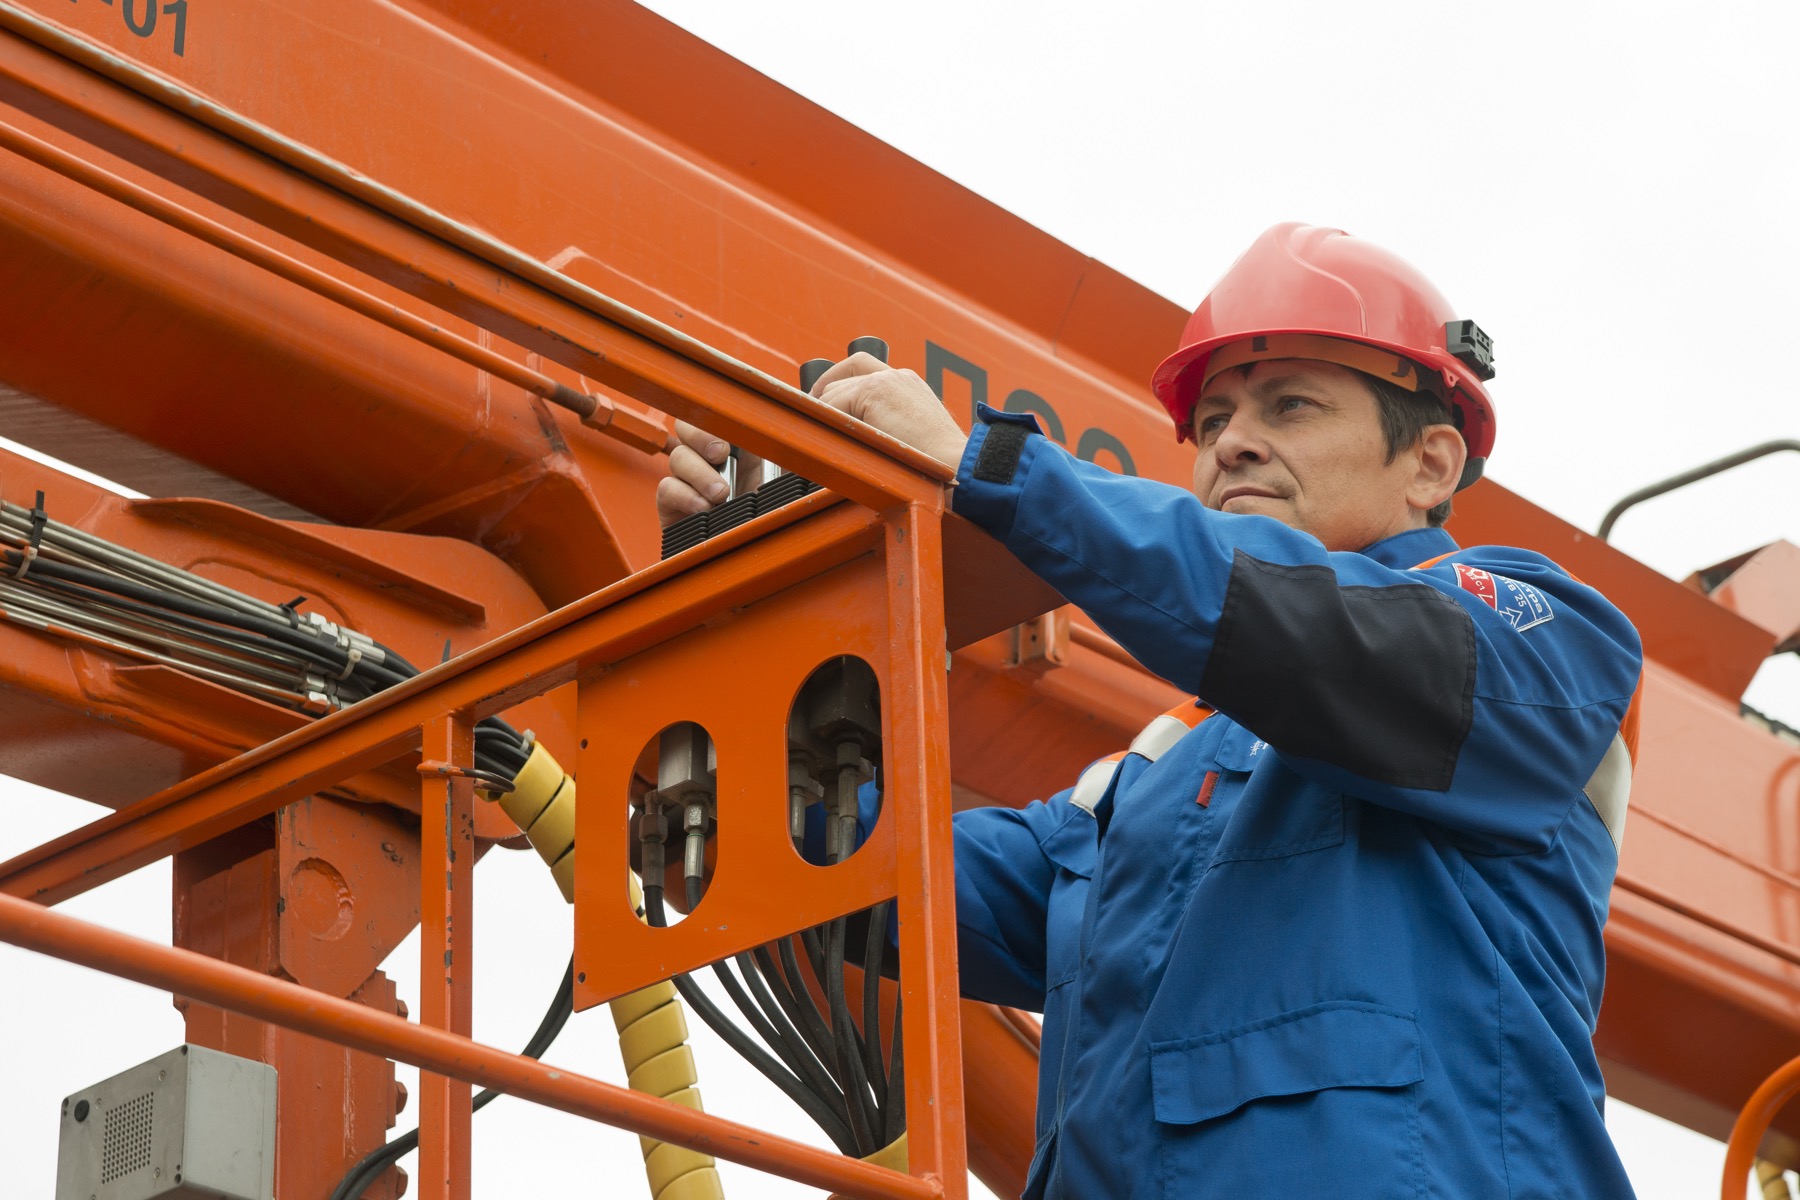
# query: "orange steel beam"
{"type": "Point", "coordinates": [446, 952]}
{"type": "Point", "coordinates": [595, 411]}
{"type": "Point", "coordinates": [916, 759]}
{"type": "Point", "coordinates": [289, 1005]}
{"type": "Point", "coordinates": [483, 281]}
{"type": "Point", "coordinates": [619, 620]}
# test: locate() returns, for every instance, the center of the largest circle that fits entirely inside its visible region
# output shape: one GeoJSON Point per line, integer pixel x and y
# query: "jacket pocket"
{"type": "Point", "coordinates": [1274, 813]}
{"type": "Point", "coordinates": [1338, 1044]}
{"type": "Point", "coordinates": [1330, 1092]}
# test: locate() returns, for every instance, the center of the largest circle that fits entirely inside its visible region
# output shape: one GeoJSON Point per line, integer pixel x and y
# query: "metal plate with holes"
{"type": "Point", "coordinates": [190, 1123]}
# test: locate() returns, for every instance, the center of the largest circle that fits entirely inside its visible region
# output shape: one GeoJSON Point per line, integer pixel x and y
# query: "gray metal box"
{"type": "Point", "coordinates": [192, 1124]}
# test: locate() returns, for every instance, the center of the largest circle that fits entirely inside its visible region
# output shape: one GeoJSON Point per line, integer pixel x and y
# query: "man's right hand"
{"type": "Point", "coordinates": [695, 483]}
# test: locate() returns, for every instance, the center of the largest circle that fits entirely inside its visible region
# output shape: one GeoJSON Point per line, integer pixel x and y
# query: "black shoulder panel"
{"type": "Point", "coordinates": [1377, 680]}
{"type": "Point", "coordinates": [1000, 450]}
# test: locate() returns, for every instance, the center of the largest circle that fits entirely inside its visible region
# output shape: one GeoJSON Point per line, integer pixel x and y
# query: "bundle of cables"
{"type": "Point", "coordinates": [65, 582]}
{"type": "Point", "coordinates": [822, 1060]}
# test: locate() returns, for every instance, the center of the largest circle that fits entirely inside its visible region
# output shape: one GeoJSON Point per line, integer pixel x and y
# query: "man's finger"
{"type": "Point", "coordinates": [686, 465]}
{"type": "Point", "coordinates": [714, 450]}
{"type": "Point", "coordinates": [849, 368]}
{"type": "Point", "coordinates": [675, 500]}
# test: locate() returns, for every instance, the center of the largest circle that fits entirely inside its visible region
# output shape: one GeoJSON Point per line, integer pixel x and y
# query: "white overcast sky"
{"type": "Point", "coordinates": [1609, 188]}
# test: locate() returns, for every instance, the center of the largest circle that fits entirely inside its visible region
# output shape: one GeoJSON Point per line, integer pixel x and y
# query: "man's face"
{"type": "Point", "coordinates": [1301, 441]}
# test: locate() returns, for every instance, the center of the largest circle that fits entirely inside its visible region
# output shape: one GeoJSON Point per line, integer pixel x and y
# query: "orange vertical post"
{"type": "Point", "coordinates": [917, 762]}
{"type": "Point", "coordinates": [446, 960]}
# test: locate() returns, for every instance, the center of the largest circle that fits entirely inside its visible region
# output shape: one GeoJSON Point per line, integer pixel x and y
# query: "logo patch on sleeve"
{"type": "Point", "coordinates": [1521, 604]}
{"type": "Point", "coordinates": [1474, 579]}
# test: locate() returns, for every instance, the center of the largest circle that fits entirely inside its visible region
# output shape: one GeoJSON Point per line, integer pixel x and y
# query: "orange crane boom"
{"type": "Point", "coordinates": [203, 217]}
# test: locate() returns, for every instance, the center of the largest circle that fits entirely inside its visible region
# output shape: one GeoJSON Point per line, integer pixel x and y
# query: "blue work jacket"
{"type": "Point", "coordinates": [1343, 938]}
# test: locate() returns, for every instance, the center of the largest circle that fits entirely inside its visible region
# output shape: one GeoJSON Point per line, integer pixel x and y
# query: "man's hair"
{"type": "Point", "coordinates": [1404, 418]}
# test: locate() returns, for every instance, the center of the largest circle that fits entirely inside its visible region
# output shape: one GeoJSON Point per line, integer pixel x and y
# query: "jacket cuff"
{"type": "Point", "coordinates": [994, 467]}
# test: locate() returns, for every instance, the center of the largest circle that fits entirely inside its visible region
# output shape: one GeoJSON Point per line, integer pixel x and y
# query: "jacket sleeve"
{"type": "Point", "coordinates": [1004, 876]}
{"type": "Point", "coordinates": [1481, 693]}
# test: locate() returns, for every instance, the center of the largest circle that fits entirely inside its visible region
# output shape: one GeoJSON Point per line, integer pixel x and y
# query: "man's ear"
{"type": "Point", "coordinates": [1440, 455]}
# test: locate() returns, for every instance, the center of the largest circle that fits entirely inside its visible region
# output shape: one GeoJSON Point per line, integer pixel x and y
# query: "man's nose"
{"type": "Point", "coordinates": [1240, 442]}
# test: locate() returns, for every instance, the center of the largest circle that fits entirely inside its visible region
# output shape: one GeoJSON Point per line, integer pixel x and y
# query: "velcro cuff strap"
{"type": "Point", "coordinates": [998, 461]}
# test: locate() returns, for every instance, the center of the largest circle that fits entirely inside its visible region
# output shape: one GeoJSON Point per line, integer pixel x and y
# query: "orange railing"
{"type": "Point", "coordinates": [1752, 1123]}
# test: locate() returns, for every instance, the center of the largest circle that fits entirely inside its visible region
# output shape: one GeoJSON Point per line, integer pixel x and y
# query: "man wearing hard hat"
{"type": "Point", "coordinates": [1334, 927]}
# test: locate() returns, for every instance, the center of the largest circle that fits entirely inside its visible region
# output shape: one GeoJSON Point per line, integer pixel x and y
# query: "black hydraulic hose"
{"type": "Point", "coordinates": [769, 1024]}
{"type": "Point", "coordinates": [837, 1015]}
{"type": "Point", "coordinates": [796, 1058]}
{"type": "Point", "coordinates": [800, 1051]}
{"type": "Point", "coordinates": [863, 1120]}
{"type": "Point", "coordinates": [872, 946]}
{"type": "Point", "coordinates": [896, 1105]}
{"type": "Point", "coordinates": [815, 954]}
{"type": "Point", "coordinates": [501, 746]}
{"type": "Point", "coordinates": [741, 1042]}
{"type": "Point", "coordinates": [368, 1169]}
{"type": "Point", "coordinates": [125, 604]}
{"type": "Point", "coordinates": [400, 664]}
{"type": "Point", "coordinates": [802, 1011]}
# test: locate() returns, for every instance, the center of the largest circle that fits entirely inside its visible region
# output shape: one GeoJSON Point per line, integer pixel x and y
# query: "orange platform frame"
{"type": "Point", "coordinates": [867, 577]}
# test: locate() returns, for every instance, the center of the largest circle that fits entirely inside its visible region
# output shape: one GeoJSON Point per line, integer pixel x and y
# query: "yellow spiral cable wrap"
{"type": "Point", "coordinates": [1773, 1181]}
{"type": "Point", "coordinates": [651, 1023]}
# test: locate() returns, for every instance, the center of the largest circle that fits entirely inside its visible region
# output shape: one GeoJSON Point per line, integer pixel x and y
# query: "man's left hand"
{"type": "Point", "coordinates": [897, 402]}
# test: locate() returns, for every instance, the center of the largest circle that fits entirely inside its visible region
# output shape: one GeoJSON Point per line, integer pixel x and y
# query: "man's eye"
{"type": "Point", "coordinates": [1211, 426]}
{"type": "Point", "coordinates": [1291, 403]}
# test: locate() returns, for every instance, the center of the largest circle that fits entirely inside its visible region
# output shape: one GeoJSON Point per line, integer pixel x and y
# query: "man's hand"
{"type": "Point", "coordinates": [695, 483]}
{"type": "Point", "coordinates": [896, 402]}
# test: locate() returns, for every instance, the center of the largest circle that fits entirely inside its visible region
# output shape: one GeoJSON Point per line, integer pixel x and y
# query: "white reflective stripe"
{"type": "Point", "coordinates": [1610, 788]}
{"type": "Point", "coordinates": [1157, 737]}
{"type": "Point", "coordinates": [1151, 743]}
{"type": "Point", "coordinates": [1093, 784]}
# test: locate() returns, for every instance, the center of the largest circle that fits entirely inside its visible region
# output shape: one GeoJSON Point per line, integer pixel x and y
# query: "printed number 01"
{"type": "Point", "coordinates": [148, 26]}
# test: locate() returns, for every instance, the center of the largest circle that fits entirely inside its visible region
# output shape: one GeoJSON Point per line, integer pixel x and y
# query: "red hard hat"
{"type": "Point", "coordinates": [1303, 291]}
